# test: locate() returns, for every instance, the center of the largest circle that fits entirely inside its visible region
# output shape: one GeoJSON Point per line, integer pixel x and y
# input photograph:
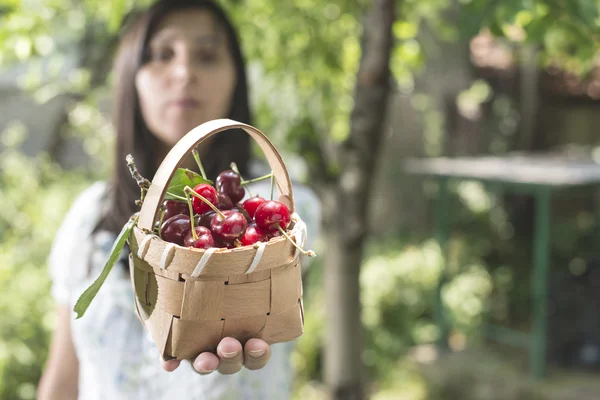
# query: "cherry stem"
{"type": "Point", "coordinates": [309, 253]}
{"type": "Point", "coordinates": [260, 178]}
{"type": "Point", "coordinates": [237, 171]}
{"type": "Point", "coordinates": [142, 182]}
{"type": "Point", "coordinates": [272, 184]}
{"type": "Point", "coordinates": [189, 201]}
{"type": "Point", "coordinates": [189, 190]}
{"type": "Point", "coordinates": [176, 196]}
{"type": "Point", "coordinates": [197, 158]}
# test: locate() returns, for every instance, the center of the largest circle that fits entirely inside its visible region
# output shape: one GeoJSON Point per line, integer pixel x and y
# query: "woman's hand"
{"type": "Point", "coordinates": [230, 358]}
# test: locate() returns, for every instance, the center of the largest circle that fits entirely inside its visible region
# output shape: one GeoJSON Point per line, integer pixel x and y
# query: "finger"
{"type": "Point", "coordinates": [256, 354]}
{"type": "Point", "coordinates": [231, 357]}
{"type": "Point", "coordinates": [171, 365]}
{"type": "Point", "coordinates": [205, 363]}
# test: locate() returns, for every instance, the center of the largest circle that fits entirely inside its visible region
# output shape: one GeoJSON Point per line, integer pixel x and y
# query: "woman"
{"type": "Point", "coordinates": [179, 64]}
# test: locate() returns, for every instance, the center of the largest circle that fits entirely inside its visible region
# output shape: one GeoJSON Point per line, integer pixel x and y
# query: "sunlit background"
{"type": "Point", "coordinates": [470, 77]}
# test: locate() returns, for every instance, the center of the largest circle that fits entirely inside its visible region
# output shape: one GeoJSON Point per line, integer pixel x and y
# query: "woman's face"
{"type": "Point", "coordinates": [189, 76]}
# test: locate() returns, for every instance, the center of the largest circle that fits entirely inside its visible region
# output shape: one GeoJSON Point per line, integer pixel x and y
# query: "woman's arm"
{"type": "Point", "coordinates": [59, 380]}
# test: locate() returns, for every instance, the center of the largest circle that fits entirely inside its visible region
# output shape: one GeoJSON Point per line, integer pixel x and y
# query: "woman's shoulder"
{"type": "Point", "coordinates": [85, 210]}
{"type": "Point", "coordinates": [71, 244]}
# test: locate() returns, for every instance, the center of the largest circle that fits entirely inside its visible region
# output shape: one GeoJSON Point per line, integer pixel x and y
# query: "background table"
{"type": "Point", "coordinates": [539, 175]}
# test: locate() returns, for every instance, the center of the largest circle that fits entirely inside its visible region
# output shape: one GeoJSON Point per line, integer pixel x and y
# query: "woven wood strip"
{"type": "Point", "coordinates": [202, 300]}
{"type": "Point", "coordinates": [284, 326]}
{"type": "Point", "coordinates": [140, 281]}
{"type": "Point", "coordinates": [224, 262]}
{"type": "Point", "coordinates": [246, 300]}
{"type": "Point", "coordinates": [191, 338]}
{"type": "Point", "coordinates": [172, 275]}
{"type": "Point", "coordinates": [170, 295]}
{"type": "Point", "coordinates": [159, 324]}
{"type": "Point", "coordinates": [286, 287]}
{"type": "Point", "coordinates": [248, 278]}
{"type": "Point", "coordinates": [244, 329]}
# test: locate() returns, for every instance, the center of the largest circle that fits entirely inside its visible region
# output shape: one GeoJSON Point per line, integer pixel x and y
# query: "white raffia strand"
{"type": "Point", "coordinates": [143, 249]}
{"type": "Point", "coordinates": [299, 233]}
{"type": "Point", "coordinates": [257, 257]}
{"type": "Point", "coordinates": [203, 261]}
{"type": "Point", "coordinates": [168, 250]}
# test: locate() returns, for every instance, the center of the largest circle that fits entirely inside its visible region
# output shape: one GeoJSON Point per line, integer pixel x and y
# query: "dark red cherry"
{"type": "Point", "coordinates": [253, 235]}
{"type": "Point", "coordinates": [225, 202]}
{"type": "Point", "coordinates": [174, 207]}
{"type": "Point", "coordinates": [230, 183]}
{"type": "Point", "coordinates": [204, 219]}
{"type": "Point", "coordinates": [204, 241]}
{"type": "Point", "coordinates": [175, 228]}
{"type": "Point", "coordinates": [223, 244]}
{"type": "Point", "coordinates": [231, 227]}
{"type": "Point", "coordinates": [209, 193]}
{"type": "Point", "coordinates": [273, 234]}
{"type": "Point", "coordinates": [252, 204]}
{"type": "Point", "coordinates": [271, 213]}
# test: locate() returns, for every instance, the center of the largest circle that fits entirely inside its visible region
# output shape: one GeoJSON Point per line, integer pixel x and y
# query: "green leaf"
{"type": "Point", "coordinates": [88, 295]}
{"type": "Point", "coordinates": [184, 177]}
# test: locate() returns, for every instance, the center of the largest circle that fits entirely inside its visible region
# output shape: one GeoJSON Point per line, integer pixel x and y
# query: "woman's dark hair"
{"type": "Point", "coordinates": [134, 137]}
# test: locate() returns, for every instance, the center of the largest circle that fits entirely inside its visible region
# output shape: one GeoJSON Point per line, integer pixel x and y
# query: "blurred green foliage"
{"type": "Point", "coordinates": [35, 194]}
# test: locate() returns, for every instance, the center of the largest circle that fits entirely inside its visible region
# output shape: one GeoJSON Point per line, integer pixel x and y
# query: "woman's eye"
{"type": "Point", "coordinates": [207, 57]}
{"type": "Point", "coordinates": [161, 54]}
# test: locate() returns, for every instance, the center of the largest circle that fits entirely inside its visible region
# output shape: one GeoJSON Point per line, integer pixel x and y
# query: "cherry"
{"type": "Point", "coordinates": [241, 209]}
{"type": "Point", "coordinates": [223, 244]}
{"type": "Point", "coordinates": [230, 183]}
{"type": "Point", "coordinates": [204, 240]}
{"type": "Point", "coordinates": [253, 235]}
{"type": "Point", "coordinates": [229, 228]}
{"type": "Point", "coordinates": [273, 234]}
{"type": "Point", "coordinates": [175, 228]}
{"type": "Point", "coordinates": [208, 192]}
{"type": "Point", "coordinates": [225, 202]}
{"type": "Point", "coordinates": [272, 214]}
{"type": "Point", "coordinates": [252, 204]}
{"type": "Point", "coordinates": [174, 207]}
{"type": "Point", "coordinates": [204, 219]}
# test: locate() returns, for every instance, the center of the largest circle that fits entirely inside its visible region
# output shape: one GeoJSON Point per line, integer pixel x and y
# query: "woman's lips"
{"type": "Point", "coordinates": [185, 103]}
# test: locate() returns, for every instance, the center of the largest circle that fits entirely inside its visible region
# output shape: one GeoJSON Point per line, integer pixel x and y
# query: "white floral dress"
{"type": "Point", "coordinates": [117, 357]}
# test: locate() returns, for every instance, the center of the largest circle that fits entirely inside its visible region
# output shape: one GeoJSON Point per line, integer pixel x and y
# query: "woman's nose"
{"type": "Point", "coordinates": [183, 69]}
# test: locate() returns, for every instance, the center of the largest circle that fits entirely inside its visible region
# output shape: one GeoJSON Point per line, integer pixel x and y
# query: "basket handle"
{"type": "Point", "coordinates": [176, 155]}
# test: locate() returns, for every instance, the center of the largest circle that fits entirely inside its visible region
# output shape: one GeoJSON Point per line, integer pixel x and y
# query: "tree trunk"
{"type": "Point", "coordinates": [346, 205]}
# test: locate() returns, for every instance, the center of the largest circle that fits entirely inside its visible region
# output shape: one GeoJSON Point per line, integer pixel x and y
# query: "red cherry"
{"type": "Point", "coordinates": [228, 229]}
{"type": "Point", "coordinates": [225, 202]}
{"type": "Point", "coordinates": [204, 240]}
{"type": "Point", "coordinates": [252, 204]}
{"type": "Point", "coordinates": [230, 183]}
{"type": "Point", "coordinates": [175, 228]}
{"type": "Point", "coordinates": [271, 213]}
{"type": "Point", "coordinates": [174, 207]}
{"type": "Point", "coordinates": [253, 235]}
{"type": "Point", "coordinates": [209, 193]}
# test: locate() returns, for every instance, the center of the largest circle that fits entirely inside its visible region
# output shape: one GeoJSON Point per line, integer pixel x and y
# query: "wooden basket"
{"type": "Point", "coordinates": [189, 299]}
